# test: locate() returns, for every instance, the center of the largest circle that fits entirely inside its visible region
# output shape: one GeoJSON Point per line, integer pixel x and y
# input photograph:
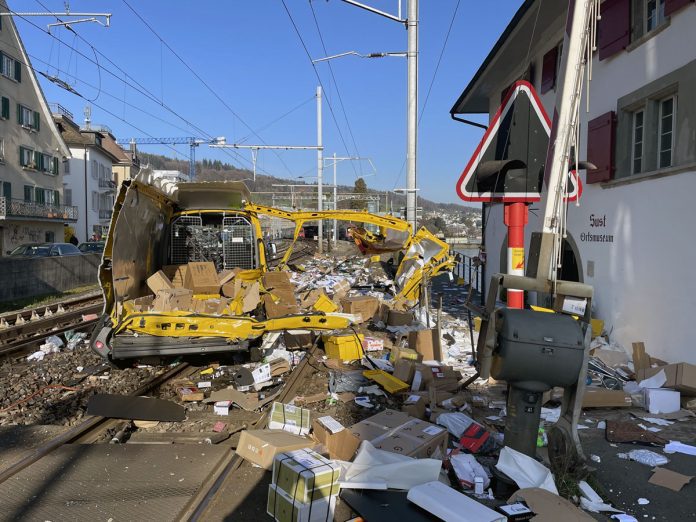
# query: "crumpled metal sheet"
{"type": "Point", "coordinates": [627, 432]}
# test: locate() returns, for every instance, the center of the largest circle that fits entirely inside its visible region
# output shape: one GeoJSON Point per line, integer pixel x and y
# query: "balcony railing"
{"type": "Point", "coordinates": [29, 209]}
{"type": "Point", "coordinates": [105, 213]}
{"type": "Point", "coordinates": [106, 183]}
{"type": "Point", "coordinates": [57, 108]}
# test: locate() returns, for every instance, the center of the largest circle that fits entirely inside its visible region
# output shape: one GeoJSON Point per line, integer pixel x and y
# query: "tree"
{"type": "Point", "coordinates": [359, 188]}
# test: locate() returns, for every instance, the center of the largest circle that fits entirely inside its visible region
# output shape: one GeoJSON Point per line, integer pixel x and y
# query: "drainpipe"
{"type": "Point", "coordinates": [86, 209]}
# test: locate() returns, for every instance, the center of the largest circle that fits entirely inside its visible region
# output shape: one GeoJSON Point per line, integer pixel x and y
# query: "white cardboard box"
{"type": "Point", "coordinates": [660, 400]}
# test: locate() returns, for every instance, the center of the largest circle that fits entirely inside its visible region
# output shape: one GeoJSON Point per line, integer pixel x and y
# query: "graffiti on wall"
{"type": "Point", "coordinates": [18, 234]}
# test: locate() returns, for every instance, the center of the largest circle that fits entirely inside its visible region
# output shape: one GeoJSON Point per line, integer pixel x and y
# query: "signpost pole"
{"type": "Point", "coordinates": [515, 219]}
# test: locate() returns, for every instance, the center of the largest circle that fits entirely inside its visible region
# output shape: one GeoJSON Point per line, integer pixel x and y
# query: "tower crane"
{"type": "Point", "coordinates": [192, 142]}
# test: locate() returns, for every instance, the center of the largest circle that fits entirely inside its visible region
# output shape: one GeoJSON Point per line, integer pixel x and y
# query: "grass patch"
{"type": "Point", "coordinates": [41, 300]}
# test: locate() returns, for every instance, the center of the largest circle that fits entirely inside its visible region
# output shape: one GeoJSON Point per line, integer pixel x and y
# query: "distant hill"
{"type": "Point", "coordinates": [212, 170]}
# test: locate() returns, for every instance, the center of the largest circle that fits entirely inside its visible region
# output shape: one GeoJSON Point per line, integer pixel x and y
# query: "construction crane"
{"type": "Point", "coordinates": [190, 141]}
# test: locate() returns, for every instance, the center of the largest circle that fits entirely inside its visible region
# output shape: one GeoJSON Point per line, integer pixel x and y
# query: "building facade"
{"type": "Point", "coordinates": [32, 152]}
{"type": "Point", "coordinates": [88, 178]}
{"type": "Point", "coordinates": [630, 235]}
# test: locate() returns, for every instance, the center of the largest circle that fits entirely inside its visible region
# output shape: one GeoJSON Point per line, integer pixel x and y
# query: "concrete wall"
{"type": "Point", "coordinates": [21, 278]}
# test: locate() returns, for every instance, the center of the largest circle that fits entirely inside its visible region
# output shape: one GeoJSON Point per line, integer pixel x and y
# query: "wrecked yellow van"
{"type": "Point", "coordinates": [185, 270]}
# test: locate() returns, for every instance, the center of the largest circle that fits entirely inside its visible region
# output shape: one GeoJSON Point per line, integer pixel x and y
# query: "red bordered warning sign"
{"type": "Point", "coordinates": [508, 164]}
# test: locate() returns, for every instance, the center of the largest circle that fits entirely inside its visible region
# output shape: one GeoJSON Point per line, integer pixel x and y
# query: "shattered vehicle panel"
{"type": "Point", "coordinates": [160, 225]}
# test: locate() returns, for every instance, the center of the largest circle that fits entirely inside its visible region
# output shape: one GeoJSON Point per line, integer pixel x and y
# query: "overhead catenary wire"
{"type": "Point", "coordinates": [338, 91]}
{"type": "Point", "coordinates": [199, 78]}
{"type": "Point", "coordinates": [316, 72]}
{"type": "Point", "coordinates": [137, 86]}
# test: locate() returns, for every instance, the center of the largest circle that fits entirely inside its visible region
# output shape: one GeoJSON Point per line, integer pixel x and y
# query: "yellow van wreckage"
{"type": "Point", "coordinates": [159, 227]}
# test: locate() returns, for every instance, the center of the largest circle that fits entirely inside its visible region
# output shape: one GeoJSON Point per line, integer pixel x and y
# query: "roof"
{"type": "Point", "coordinates": [509, 54]}
{"type": "Point", "coordinates": [76, 137]}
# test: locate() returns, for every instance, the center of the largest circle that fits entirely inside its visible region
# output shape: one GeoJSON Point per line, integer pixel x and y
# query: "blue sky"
{"type": "Point", "coordinates": [250, 55]}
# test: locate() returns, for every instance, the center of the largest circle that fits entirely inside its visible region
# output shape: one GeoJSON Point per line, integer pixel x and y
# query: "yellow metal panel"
{"type": "Point", "coordinates": [386, 381]}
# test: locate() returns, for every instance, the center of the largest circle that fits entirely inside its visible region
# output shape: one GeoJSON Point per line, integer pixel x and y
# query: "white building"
{"type": "Point", "coordinates": [88, 179]}
{"type": "Point", "coordinates": [32, 208]}
{"type": "Point", "coordinates": [631, 237]}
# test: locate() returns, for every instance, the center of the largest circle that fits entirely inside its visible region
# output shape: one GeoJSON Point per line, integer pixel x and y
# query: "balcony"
{"type": "Point", "coordinates": [106, 184]}
{"type": "Point", "coordinates": [18, 208]}
{"type": "Point", "coordinates": [105, 213]}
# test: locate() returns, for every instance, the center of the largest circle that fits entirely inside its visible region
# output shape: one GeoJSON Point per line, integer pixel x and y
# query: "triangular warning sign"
{"type": "Point", "coordinates": [508, 164]}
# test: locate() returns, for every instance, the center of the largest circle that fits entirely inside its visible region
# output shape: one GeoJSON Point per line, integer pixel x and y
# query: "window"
{"type": "Point", "coordinates": [50, 236]}
{"type": "Point", "coordinates": [28, 118]}
{"type": "Point", "coordinates": [66, 167]}
{"type": "Point", "coordinates": [2, 150]}
{"type": "Point", "coordinates": [39, 195]}
{"type": "Point", "coordinates": [28, 193]}
{"type": "Point", "coordinates": [665, 134]}
{"type": "Point", "coordinates": [95, 200]}
{"type": "Point", "coordinates": [5, 106]}
{"type": "Point", "coordinates": [50, 197]}
{"type": "Point", "coordinates": [95, 169]}
{"type": "Point", "coordinates": [638, 132]}
{"type": "Point", "coordinates": [6, 189]}
{"type": "Point", "coordinates": [654, 14]}
{"type": "Point", "coordinates": [26, 158]}
{"type": "Point", "coordinates": [10, 68]}
{"type": "Point", "coordinates": [67, 196]}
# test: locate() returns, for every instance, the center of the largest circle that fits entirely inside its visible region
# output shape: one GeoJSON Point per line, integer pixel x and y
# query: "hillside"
{"type": "Point", "coordinates": [208, 170]}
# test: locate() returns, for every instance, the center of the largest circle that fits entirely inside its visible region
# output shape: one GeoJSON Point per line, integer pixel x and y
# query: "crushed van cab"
{"type": "Point", "coordinates": [185, 271]}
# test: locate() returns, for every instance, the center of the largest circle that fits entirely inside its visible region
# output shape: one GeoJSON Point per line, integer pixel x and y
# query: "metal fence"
{"type": "Point", "coordinates": [20, 208]}
{"type": "Point", "coordinates": [470, 270]}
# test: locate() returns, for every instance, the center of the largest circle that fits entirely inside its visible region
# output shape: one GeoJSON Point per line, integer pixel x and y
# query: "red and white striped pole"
{"type": "Point", "coordinates": [515, 219]}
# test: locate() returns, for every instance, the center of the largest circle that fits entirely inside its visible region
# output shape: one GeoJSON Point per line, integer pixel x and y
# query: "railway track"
{"type": "Point", "coordinates": [26, 329]}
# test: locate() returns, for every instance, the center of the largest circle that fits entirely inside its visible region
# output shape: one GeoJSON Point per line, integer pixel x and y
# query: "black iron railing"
{"type": "Point", "coordinates": [470, 270]}
{"type": "Point", "coordinates": [20, 208]}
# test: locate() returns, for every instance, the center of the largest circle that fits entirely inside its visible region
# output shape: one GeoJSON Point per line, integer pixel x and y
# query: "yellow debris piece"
{"type": "Point", "coordinates": [346, 347]}
{"type": "Point", "coordinates": [324, 304]}
{"type": "Point", "coordinates": [390, 383]}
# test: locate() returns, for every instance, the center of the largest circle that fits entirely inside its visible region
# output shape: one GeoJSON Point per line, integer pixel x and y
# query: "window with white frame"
{"type": "Point", "coordinates": [95, 200]}
{"type": "Point", "coordinates": [638, 138]}
{"type": "Point", "coordinates": [26, 158]}
{"type": "Point", "coordinates": [9, 67]}
{"type": "Point", "coordinates": [665, 133]}
{"type": "Point", "coordinates": [654, 14]}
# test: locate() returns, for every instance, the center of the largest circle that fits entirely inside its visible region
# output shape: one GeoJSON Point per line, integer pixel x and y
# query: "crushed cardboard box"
{"type": "Point", "coordinates": [261, 446]}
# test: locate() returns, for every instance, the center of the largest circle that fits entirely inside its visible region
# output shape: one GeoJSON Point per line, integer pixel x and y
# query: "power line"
{"type": "Point", "coordinates": [338, 91]}
{"type": "Point", "coordinates": [432, 82]}
{"type": "Point", "coordinates": [140, 88]}
{"type": "Point", "coordinates": [316, 72]}
{"type": "Point", "coordinates": [199, 78]}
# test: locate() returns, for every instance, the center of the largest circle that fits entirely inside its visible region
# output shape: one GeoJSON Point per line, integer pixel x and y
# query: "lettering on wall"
{"type": "Point", "coordinates": [26, 234]}
{"type": "Point", "coordinates": [595, 235]}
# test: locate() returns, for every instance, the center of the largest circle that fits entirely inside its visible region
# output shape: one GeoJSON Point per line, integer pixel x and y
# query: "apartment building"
{"type": "Point", "coordinates": [88, 178]}
{"type": "Point", "coordinates": [32, 152]}
{"type": "Point", "coordinates": [630, 235]}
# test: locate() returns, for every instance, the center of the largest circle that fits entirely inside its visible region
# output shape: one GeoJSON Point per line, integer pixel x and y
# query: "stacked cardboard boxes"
{"type": "Point", "coordinates": [304, 487]}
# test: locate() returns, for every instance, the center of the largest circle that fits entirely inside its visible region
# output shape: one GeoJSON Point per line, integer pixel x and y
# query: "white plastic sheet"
{"type": "Point", "coordinates": [679, 447]}
{"type": "Point", "coordinates": [379, 467]}
{"type": "Point", "coordinates": [525, 471]}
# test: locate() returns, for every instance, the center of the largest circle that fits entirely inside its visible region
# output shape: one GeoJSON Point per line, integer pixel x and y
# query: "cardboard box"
{"type": "Point", "coordinates": [172, 299]}
{"type": "Point", "coordinates": [159, 281]}
{"type": "Point", "coordinates": [340, 289]}
{"type": "Point", "coordinates": [261, 446]}
{"type": "Point", "coordinates": [141, 304]}
{"type": "Point", "coordinates": [660, 400]}
{"type": "Point", "coordinates": [397, 432]}
{"type": "Point", "coordinates": [276, 278]}
{"type": "Point", "coordinates": [190, 394]}
{"type": "Point", "coordinates": [274, 310]}
{"type": "Point", "coordinates": [283, 508]}
{"type": "Point", "coordinates": [373, 344]}
{"type": "Point", "coordinates": [176, 274]}
{"type": "Point", "coordinates": [365, 306]}
{"type": "Point", "coordinates": [340, 443]}
{"type": "Point", "coordinates": [399, 352]}
{"type": "Point", "coordinates": [202, 278]}
{"type": "Point", "coordinates": [318, 301]}
{"type": "Point", "coordinates": [228, 275]}
{"type": "Point", "coordinates": [397, 318]}
{"type": "Point", "coordinates": [404, 370]}
{"type": "Point", "coordinates": [426, 343]}
{"type": "Point", "coordinates": [305, 475]}
{"type": "Point", "coordinates": [414, 405]}
{"type": "Point", "coordinates": [680, 376]}
{"type": "Point", "coordinates": [289, 418]}
{"type": "Point", "coordinates": [443, 378]}
{"type": "Point", "coordinates": [596, 397]}
{"type": "Point", "coordinates": [298, 341]}
{"type": "Point", "coordinates": [209, 306]}
{"type": "Point", "coordinates": [245, 295]}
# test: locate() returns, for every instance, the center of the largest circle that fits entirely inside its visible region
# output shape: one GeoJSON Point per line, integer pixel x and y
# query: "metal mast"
{"type": "Point", "coordinates": [412, 140]}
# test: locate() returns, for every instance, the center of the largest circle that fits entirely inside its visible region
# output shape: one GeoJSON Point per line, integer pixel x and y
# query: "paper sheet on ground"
{"type": "Point", "coordinates": [525, 471]}
{"type": "Point", "coordinates": [375, 466]}
{"type": "Point", "coordinates": [656, 381]}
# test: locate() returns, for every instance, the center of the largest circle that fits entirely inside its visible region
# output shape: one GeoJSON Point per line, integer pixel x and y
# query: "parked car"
{"type": "Point", "coordinates": [45, 250]}
{"type": "Point", "coordinates": [91, 247]}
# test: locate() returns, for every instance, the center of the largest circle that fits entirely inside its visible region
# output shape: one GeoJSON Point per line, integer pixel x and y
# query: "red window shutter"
{"type": "Point", "coordinates": [672, 6]}
{"type": "Point", "coordinates": [614, 27]}
{"type": "Point", "coordinates": [601, 133]}
{"type": "Point", "coordinates": [548, 70]}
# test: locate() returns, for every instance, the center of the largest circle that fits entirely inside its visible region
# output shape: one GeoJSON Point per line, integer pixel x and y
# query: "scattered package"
{"type": "Point", "coordinates": [261, 446]}
{"type": "Point", "coordinates": [290, 418]}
